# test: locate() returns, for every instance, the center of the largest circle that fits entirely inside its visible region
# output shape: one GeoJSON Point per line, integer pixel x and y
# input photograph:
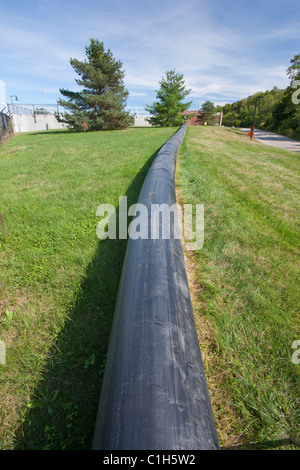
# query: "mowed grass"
{"type": "Point", "coordinates": [58, 280]}
{"type": "Point", "coordinates": [245, 282]}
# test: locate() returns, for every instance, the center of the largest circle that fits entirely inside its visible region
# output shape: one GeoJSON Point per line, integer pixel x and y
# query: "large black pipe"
{"type": "Point", "coordinates": [154, 394]}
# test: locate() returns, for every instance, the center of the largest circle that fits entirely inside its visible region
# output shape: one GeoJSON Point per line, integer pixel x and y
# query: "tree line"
{"type": "Point", "coordinates": [100, 104]}
{"type": "Point", "coordinates": [273, 110]}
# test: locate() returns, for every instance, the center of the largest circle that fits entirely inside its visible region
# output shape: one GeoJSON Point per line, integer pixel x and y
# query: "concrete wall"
{"type": "Point", "coordinates": [40, 122]}
{"type": "Point", "coordinates": [141, 121]}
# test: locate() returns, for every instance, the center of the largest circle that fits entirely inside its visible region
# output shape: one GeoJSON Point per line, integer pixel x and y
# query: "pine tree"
{"type": "Point", "coordinates": [101, 103]}
{"type": "Point", "coordinates": [165, 111]}
{"type": "Point", "coordinates": [208, 113]}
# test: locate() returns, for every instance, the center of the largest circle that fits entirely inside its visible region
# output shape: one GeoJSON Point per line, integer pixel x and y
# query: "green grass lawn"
{"type": "Point", "coordinates": [58, 281]}
{"type": "Point", "coordinates": [245, 281]}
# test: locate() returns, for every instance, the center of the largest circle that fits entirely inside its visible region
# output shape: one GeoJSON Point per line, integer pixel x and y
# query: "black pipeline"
{"type": "Point", "coordinates": [154, 394]}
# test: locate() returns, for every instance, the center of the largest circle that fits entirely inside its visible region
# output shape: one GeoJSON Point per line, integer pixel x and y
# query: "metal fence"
{"type": "Point", "coordinates": [5, 126]}
{"type": "Point", "coordinates": [33, 109]}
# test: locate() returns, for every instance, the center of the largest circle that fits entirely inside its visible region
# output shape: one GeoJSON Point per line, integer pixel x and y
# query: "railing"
{"type": "Point", "coordinates": [137, 110]}
{"type": "Point", "coordinates": [154, 393]}
{"type": "Point", "coordinates": [33, 109]}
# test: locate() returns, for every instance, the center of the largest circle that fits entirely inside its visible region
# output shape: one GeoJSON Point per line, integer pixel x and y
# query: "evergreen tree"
{"type": "Point", "coordinates": [101, 103]}
{"type": "Point", "coordinates": [166, 110]}
{"type": "Point", "coordinates": [208, 111]}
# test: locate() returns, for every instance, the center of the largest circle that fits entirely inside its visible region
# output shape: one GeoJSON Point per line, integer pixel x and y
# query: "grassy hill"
{"type": "Point", "coordinates": [245, 281]}
{"type": "Point", "coordinates": [59, 281]}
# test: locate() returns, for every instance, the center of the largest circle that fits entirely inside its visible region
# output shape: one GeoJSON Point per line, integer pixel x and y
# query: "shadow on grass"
{"type": "Point", "coordinates": [62, 131]}
{"type": "Point", "coordinates": [63, 411]}
{"type": "Point", "coordinates": [65, 130]}
{"type": "Point", "coordinates": [235, 130]}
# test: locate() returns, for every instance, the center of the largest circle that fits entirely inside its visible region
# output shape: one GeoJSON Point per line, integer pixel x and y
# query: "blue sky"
{"type": "Point", "coordinates": [225, 49]}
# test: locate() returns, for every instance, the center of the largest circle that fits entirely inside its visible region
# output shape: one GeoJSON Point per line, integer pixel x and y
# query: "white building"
{"type": "Point", "coordinates": [26, 120]}
{"type": "Point", "coordinates": [140, 120]}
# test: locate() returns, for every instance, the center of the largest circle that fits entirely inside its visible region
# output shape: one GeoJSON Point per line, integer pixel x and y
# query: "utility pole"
{"type": "Point", "coordinates": [251, 133]}
{"type": "Point", "coordinates": [221, 119]}
{"type": "Point", "coordinates": [257, 98]}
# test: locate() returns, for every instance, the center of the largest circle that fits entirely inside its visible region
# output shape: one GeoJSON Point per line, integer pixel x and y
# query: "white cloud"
{"type": "Point", "coordinates": [220, 57]}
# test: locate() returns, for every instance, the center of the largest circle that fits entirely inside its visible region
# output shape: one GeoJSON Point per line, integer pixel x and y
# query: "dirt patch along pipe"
{"type": "Point", "coordinates": [154, 393]}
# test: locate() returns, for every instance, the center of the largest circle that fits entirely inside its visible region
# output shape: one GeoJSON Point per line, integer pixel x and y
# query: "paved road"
{"type": "Point", "coordinates": [275, 140]}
